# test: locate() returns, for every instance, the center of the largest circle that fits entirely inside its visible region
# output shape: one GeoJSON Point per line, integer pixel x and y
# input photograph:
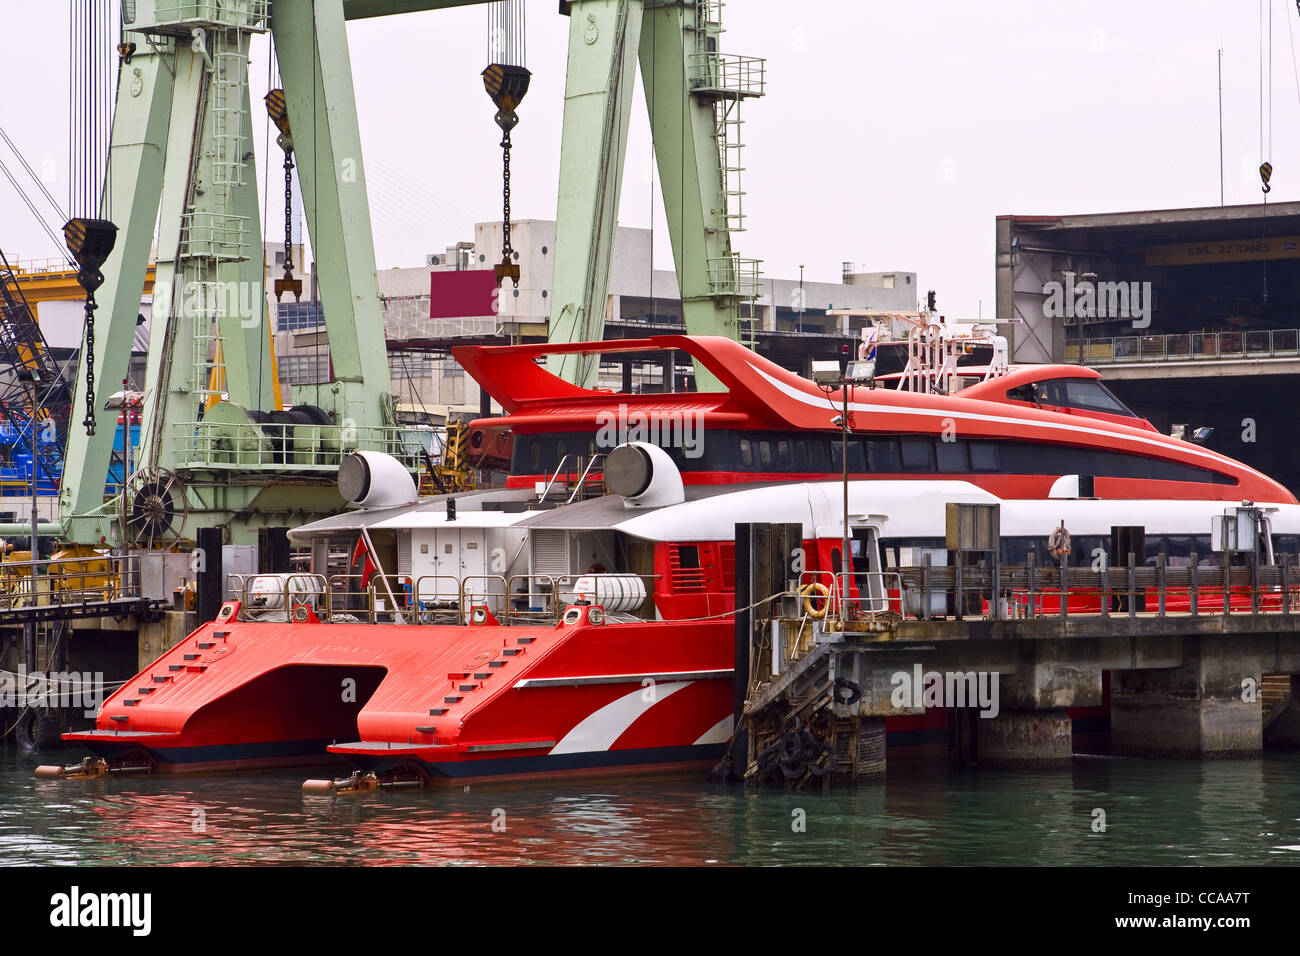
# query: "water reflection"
{"type": "Point", "coordinates": [1156, 812]}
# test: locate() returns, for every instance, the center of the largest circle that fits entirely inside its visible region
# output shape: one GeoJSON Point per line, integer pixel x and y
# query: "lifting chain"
{"type": "Point", "coordinates": [278, 110]}
{"type": "Point", "coordinates": [506, 250]}
{"type": "Point", "coordinates": [506, 84]}
{"type": "Point", "coordinates": [89, 421]}
{"type": "Point", "coordinates": [91, 242]}
{"type": "Point", "coordinates": [288, 283]}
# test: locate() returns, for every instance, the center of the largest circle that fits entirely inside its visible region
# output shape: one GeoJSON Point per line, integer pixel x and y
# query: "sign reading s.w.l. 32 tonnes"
{"type": "Point", "coordinates": [1223, 250]}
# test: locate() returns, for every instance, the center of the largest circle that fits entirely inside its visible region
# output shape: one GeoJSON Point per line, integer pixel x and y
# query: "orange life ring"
{"type": "Point", "coordinates": [813, 592]}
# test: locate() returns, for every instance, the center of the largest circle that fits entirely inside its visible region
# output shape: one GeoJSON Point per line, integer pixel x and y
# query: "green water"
{"type": "Point", "coordinates": [1156, 813]}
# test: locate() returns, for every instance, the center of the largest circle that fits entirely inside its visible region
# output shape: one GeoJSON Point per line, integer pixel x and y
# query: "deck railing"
{"type": "Point", "coordinates": [399, 598]}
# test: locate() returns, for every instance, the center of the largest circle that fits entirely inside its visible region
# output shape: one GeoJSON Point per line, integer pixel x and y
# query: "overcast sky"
{"type": "Point", "coordinates": [892, 133]}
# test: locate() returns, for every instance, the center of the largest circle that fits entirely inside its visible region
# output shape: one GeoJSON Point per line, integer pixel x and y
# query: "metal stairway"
{"type": "Point", "coordinates": [725, 81]}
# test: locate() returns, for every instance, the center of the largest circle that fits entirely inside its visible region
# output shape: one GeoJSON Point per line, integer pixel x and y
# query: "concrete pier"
{"type": "Point", "coordinates": [1016, 738]}
{"type": "Point", "coordinates": [1207, 707]}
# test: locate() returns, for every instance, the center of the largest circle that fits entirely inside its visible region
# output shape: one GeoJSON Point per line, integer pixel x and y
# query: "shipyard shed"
{"type": "Point", "coordinates": [1191, 315]}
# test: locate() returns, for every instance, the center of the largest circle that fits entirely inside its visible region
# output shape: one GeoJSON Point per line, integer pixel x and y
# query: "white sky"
{"type": "Point", "coordinates": [891, 136]}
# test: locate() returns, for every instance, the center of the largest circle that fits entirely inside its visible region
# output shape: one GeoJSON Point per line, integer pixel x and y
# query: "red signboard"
{"type": "Point", "coordinates": [461, 295]}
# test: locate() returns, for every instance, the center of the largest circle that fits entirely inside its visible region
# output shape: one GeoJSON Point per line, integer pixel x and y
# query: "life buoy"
{"type": "Point", "coordinates": [813, 592]}
{"type": "Point", "coordinates": [1058, 543]}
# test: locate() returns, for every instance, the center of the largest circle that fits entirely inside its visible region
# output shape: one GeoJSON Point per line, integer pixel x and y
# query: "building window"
{"type": "Point", "coordinates": [295, 316]}
{"type": "Point", "coordinates": [305, 369]}
{"type": "Point", "coordinates": [406, 364]}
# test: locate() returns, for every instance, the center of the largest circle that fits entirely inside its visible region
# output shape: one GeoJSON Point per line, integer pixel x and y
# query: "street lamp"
{"type": "Point", "coordinates": [828, 375]}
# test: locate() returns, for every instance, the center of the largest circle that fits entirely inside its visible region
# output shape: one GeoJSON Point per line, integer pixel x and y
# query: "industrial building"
{"type": "Point", "coordinates": [1192, 315]}
{"type": "Point", "coordinates": [453, 299]}
{"type": "Point", "coordinates": [789, 318]}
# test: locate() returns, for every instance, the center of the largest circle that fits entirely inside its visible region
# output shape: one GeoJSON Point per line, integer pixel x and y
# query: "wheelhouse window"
{"type": "Point", "coordinates": [1086, 394]}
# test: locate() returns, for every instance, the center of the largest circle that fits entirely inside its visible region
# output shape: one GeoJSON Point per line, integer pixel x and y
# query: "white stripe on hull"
{"type": "Point", "coordinates": [599, 730]}
{"type": "Point", "coordinates": [719, 733]}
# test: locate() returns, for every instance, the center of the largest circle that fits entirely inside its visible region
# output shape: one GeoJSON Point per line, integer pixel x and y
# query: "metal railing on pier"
{"type": "Point", "coordinates": [66, 588]}
{"type": "Point", "coordinates": [1186, 346]}
{"type": "Point", "coordinates": [1017, 592]}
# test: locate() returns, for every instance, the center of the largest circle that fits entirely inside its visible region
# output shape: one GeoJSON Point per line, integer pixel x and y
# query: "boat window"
{"type": "Point", "coordinates": [857, 459]}
{"type": "Point", "coordinates": [918, 454]}
{"type": "Point", "coordinates": [1286, 544]}
{"type": "Point", "coordinates": [727, 450]}
{"type": "Point", "coordinates": [819, 461]}
{"type": "Point", "coordinates": [1083, 393]}
{"type": "Point", "coordinates": [951, 457]}
{"type": "Point", "coordinates": [984, 456]}
{"type": "Point", "coordinates": [800, 455]}
{"type": "Point", "coordinates": [886, 458]}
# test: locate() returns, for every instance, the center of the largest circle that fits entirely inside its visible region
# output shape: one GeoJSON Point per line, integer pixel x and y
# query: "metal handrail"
{"type": "Point", "coordinates": [550, 612]}
{"type": "Point", "coordinates": [582, 481]}
{"type": "Point", "coordinates": [337, 590]}
{"type": "Point", "coordinates": [468, 598]}
{"type": "Point", "coordinates": [299, 447]}
{"type": "Point", "coordinates": [426, 602]}
{"type": "Point", "coordinates": [77, 580]}
{"type": "Point", "coordinates": [546, 490]}
{"type": "Point", "coordinates": [1119, 589]}
{"type": "Point", "coordinates": [290, 593]}
{"type": "Point", "coordinates": [885, 599]}
{"type": "Point", "coordinates": [1185, 346]}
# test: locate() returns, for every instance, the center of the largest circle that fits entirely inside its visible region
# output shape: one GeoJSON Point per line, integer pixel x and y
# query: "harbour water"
{"type": "Point", "coordinates": [1156, 812]}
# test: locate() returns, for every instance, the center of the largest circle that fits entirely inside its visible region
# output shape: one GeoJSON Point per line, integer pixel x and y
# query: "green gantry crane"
{"type": "Point", "coordinates": [694, 95]}
{"type": "Point", "coordinates": [181, 156]}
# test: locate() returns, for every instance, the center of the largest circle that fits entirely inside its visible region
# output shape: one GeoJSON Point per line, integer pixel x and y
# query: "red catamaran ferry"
{"type": "Point", "coordinates": [581, 618]}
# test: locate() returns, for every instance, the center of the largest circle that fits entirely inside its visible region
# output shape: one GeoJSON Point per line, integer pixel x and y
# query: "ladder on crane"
{"type": "Point", "coordinates": [725, 81]}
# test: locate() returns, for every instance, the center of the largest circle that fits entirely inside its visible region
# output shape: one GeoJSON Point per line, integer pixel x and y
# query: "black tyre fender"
{"type": "Point", "coordinates": [814, 768]}
{"type": "Point", "coordinates": [36, 730]}
{"type": "Point", "coordinates": [793, 768]}
{"type": "Point", "coordinates": [846, 692]}
{"type": "Point", "coordinates": [25, 731]}
{"type": "Point", "coordinates": [792, 744]}
{"type": "Point", "coordinates": [812, 746]}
